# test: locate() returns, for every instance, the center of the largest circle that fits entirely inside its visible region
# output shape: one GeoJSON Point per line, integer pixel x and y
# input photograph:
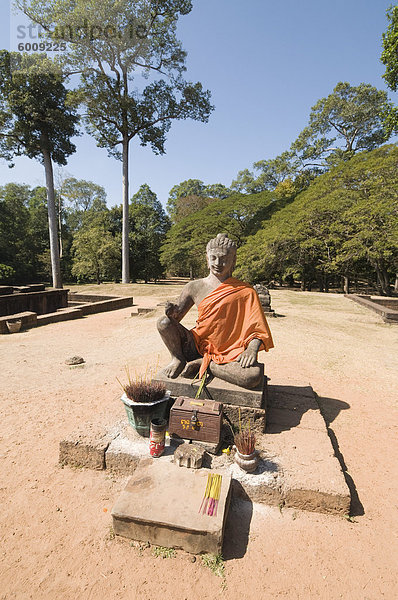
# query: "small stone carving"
{"type": "Point", "coordinates": [189, 455]}
{"type": "Point", "coordinates": [75, 360]}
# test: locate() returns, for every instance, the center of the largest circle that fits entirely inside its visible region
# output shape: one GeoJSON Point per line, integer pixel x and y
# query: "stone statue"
{"type": "Point", "coordinates": [231, 327]}
{"type": "Point", "coordinates": [265, 298]}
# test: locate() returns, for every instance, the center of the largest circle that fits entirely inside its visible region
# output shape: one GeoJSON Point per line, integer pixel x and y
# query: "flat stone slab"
{"type": "Point", "coordinates": [221, 391]}
{"type": "Point", "coordinates": [160, 505]}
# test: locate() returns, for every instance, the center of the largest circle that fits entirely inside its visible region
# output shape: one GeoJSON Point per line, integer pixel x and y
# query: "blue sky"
{"type": "Point", "coordinates": [265, 62]}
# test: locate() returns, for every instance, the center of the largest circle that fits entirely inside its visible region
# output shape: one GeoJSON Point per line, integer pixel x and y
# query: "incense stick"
{"type": "Point", "coordinates": [211, 497]}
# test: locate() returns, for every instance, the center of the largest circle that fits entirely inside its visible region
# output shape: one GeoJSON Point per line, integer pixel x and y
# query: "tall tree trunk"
{"type": "Point", "coordinates": [125, 226]}
{"type": "Point", "coordinates": [396, 283]}
{"type": "Point", "coordinates": [346, 284]}
{"type": "Point", "coordinates": [383, 280]}
{"type": "Point", "coordinates": [52, 220]}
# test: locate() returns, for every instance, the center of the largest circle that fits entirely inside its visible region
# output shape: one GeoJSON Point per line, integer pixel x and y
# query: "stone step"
{"type": "Point", "coordinates": [160, 505]}
{"type": "Point", "coordinates": [63, 314]}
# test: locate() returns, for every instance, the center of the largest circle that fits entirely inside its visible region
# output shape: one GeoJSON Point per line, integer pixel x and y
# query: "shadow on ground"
{"type": "Point", "coordinates": [330, 408]}
{"type": "Point", "coordinates": [237, 527]}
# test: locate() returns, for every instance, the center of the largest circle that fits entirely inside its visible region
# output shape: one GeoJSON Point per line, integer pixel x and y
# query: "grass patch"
{"type": "Point", "coordinates": [163, 552]}
{"type": "Point", "coordinates": [215, 563]}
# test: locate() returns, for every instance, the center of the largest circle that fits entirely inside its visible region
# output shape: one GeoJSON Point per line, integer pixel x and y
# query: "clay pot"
{"type": "Point", "coordinates": [247, 462]}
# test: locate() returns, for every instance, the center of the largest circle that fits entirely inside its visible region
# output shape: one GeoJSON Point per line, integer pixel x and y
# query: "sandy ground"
{"type": "Point", "coordinates": [55, 523]}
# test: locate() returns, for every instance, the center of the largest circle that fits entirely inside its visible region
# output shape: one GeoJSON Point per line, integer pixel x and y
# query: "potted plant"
{"type": "Point", "coordinates": [144, 400]}
{"type": "Point", "coordinates": [246, 455]}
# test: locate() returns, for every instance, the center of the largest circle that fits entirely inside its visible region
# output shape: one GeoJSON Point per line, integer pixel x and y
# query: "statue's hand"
{"type": "Point", "coordinates": [248, 358]}
{"type": "Point", "coordinates": [171, 310]}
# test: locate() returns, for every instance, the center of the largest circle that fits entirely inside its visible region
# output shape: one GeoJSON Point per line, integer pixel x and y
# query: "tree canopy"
{"type": "Point", "coordinates": [344, 225]}
{"type": "Point", "coordinates": [389, 58]}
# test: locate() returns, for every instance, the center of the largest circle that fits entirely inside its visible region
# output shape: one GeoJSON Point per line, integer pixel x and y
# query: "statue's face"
{"type": "Point", "coordinates": [220, 262]}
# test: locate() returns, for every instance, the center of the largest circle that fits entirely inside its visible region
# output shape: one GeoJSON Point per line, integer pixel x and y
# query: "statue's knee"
{"type": "Point", "coordinates": [252, 377]}
{"type": "Point", "coordinates": [163, 323]}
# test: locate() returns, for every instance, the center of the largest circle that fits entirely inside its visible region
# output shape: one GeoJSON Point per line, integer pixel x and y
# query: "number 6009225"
{"type": "Point", "coordinates": [42, 47]}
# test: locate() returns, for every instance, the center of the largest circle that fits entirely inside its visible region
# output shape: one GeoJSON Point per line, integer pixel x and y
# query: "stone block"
{"type": "Point", "coordinates": [126, 450]}
{"type": "Point", "coordinates": [63, 314]}
{"type": "Point", "coordinates": [29, 319]}
{"type": "Point", "coordinates": [312, 476]}
{"type": "Point", "coordinates": [220, 391]}
{"type": "Point", "coordinates": [256, 417]}
{"type": "Point", "coordinates": [5, 290]}
{"type": "Point", "coordinates": [86, 446]}
{"type": "Point", "coordinates": [263, 486]}
{"type": "Point", "coordinates": [160, 505]}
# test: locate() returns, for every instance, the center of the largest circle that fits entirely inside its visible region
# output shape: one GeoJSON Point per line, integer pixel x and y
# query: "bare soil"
{"type": "Point", "coordinates": [55, 525]}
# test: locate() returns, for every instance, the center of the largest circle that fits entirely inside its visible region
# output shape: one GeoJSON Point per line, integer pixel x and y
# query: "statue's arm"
{"type": "Point", "coordinates": [249, 356]}
{"type": "Point", "coordinates": [179, 309]}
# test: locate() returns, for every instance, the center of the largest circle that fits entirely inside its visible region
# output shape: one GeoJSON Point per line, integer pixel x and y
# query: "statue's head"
{"type": "Point", "coordinates": [221, 255]}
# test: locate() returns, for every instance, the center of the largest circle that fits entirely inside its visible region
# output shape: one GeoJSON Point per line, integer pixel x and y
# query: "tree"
{"type": "Point", "coordinates": [96, 251]}
{"type": "Point", "coordinates": [389, 58]}
{"type": "Point", "coordinates": [14, 230]}
{"type": "Point", "coordinates": [125, 37]}
{"type": "Point", "coordinates": [183, 252]}
{"type": "Point", "coordinates": [270, 174]}
{"type": "Point", "coordinates": [193, 189]}
{"type": "Point", "coordinates": [84, 199]}
{"type": "Point", "coordinates": [344, 225]}
{"type": "Point", "coordinates": [149, 225]}
{"type": "Point", "coordinates": [35, 120]}
{"type": "Point", "coordinates": [345, 122]}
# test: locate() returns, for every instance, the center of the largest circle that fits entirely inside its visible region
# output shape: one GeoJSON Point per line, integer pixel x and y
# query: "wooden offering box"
{"type": "Point", "coordinates": [199, 420]}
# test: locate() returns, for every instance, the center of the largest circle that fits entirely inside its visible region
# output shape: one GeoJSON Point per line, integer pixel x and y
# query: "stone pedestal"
{"type": "Point", "coordinates": [220, 391]}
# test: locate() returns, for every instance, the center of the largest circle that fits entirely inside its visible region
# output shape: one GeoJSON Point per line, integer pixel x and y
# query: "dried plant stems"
{"type": "Point", "coordinates": [141, 389]}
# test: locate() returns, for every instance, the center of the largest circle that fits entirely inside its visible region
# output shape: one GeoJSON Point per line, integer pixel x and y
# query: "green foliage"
{"type": "Point", "coordinates": [36, 121]}
{"type": "Point", "coordinates": [148, 227]}
{"type": "Point", "coordinates": [389, 58]}
{"type": "Point", "coordinates": [183, 252]}
{"type": "Point", "coordinates": [345, 223]}
{"type": "Point", "coordinates": [7, 274]}
{"type": "Point", "coordinates": [83, 200]}
{"type": "Point", "coordinates": [389, 55]}
{"type": "Point", "coordinates": [215, 563]}
{"type": "Point", "coordinates": [96, 252]}
{"type": "Point", "coordinates": [34, 112]}
{"type": "Point", "coordinates": [270, 174]}
{"type": "Point", "coordinates": [342, 124]}
{"type": "Point", "coordinates": [192, 195]}
{"type": "Point", "coordinates": [163, 552]}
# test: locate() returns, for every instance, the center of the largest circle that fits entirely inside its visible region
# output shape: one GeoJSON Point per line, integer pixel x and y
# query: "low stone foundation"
{"type": "Point", "coordinates": [297, 469]}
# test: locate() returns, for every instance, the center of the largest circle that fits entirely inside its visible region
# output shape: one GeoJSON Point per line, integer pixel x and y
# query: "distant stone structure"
{"type": "Point", "coordinates": [265, 299]}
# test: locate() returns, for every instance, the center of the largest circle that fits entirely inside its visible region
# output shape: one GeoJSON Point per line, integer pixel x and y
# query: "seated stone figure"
{"type": "Point", "coordinates": [231, 327]}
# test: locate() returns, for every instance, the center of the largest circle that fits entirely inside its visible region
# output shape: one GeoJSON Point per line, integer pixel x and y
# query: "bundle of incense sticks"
{"type": "Point", "coordinates": [210, 500]}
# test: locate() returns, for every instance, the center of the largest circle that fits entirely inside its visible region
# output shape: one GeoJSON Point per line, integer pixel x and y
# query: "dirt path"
{"type": "Point", "coordinates": [55, 524]}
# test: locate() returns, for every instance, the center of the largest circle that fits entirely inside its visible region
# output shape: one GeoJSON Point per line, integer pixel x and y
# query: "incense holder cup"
{"type": "Point", "coordinates": [247, 462]}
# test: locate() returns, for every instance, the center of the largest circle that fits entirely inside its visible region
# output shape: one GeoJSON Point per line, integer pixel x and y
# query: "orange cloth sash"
{"type": "Point", "coordinates": [228, 319]}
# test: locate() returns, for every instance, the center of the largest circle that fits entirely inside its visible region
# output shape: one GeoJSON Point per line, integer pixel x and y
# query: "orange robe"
{"type": "Point", "coordinates": [228, 319]}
